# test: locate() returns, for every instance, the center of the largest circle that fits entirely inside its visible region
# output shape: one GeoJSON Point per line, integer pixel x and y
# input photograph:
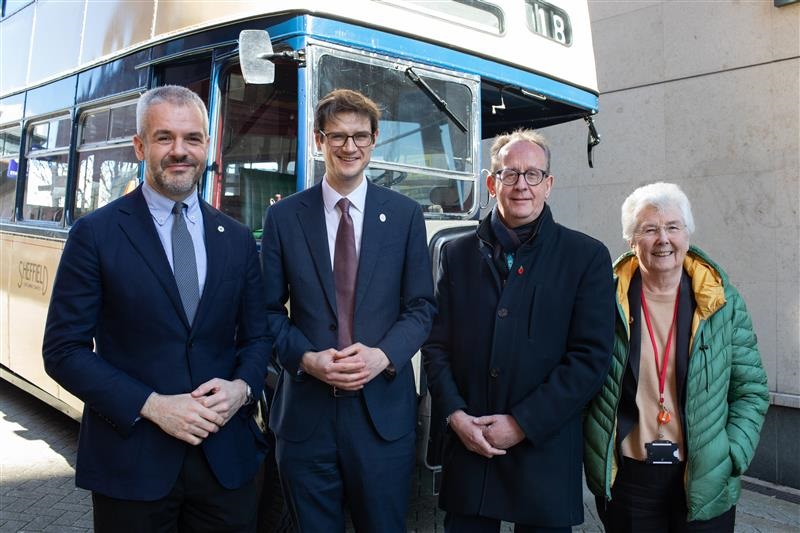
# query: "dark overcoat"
{"type": "Point", "coordinates": [536, 347]}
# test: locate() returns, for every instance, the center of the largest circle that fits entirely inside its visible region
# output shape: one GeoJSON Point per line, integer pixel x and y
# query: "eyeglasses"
{"type": "Point", "coordinates": [654, 230]}
{"type": "Point", "coordinates": [510, 176]}
{"type": "Point", "coordinates": [362, 139]}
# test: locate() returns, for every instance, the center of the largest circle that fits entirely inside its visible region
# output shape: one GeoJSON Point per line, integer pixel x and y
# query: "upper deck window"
{"type": "Point", "coordinates": [548, 21]}
{"type": "Point", "coordinates": [12, 6]}
{"type": "Point", "coordinates": [475, 14]}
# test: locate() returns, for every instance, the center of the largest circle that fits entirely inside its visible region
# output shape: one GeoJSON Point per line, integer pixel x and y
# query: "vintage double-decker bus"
{"type": "Point", "coordinates": [447, 74]}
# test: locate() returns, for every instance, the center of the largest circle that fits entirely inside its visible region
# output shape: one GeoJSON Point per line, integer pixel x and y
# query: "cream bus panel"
{"type": "Point", "coordinates": [5, 276]}
{"type": "Point", "coordinates": [32, 266]}
{"type": "Point", "coordinates": [54, 18]}
{"type": "Point", "coordinates": [115, 26]}
{"type": "Point", "coordinates": [124, 24]}
{"type": "Point", "coordinates": [15, 49]}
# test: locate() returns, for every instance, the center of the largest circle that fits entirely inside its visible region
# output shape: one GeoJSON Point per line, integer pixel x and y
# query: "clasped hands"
{"type": "Point", "coordinates": [349, 368]}
{"type": "Point", "coordinates": [192, 417]}
{"type": "Point", "coordinates": [486, 435]}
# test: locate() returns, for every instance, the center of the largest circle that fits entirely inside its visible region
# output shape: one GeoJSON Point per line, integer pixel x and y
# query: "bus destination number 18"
{"type": "Point", "coordinates": [549, 21]}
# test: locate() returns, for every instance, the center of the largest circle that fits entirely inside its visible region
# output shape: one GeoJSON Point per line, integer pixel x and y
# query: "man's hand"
{"type": "Point", "coordinates": [471, 434]}
{"type": "Point", "coordinates": [222, 396]}
{"type": "Point", "coordinates": [341, 372]}
{"type": "Point", "coordinates": [501, 431]}
{"type": "Point", "coordinates": [375, 361]}
{"type": "Point", "coordinates": [182, 416]}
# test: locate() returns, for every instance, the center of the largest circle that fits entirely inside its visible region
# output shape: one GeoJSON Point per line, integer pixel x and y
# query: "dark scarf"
{"type": "Point", "coordinates": [508, 240]}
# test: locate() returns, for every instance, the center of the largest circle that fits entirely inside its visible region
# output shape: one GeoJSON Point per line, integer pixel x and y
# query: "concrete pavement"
{"type": "Point", "coordinates": [37, 487]}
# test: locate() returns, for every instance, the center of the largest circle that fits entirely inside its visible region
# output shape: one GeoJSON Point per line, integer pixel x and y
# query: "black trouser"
{"type": "Point", "coordinates": [197, 503]}
{"type": "Point", "coordinates": [456, 523]}
{"type": "Point", "coordinates": [651, 499]}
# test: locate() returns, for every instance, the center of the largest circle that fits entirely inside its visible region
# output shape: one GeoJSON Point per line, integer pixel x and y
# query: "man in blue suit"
{"type": "Point", "coordinates": [157, 323]}
{"type": "Point", "coordinates": [351, 257]}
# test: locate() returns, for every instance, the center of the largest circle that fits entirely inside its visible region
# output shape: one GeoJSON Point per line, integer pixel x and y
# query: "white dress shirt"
{"type": "Point", "coordinates": [332, 215]}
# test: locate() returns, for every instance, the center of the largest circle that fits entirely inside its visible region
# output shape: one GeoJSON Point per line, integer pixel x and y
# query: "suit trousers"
{"type": "Point", "coordinates": [196, 504]}
{"type": "Point", "coordinates": [346, 463]}
{"type": "Point", "coordinates": [651, 499]}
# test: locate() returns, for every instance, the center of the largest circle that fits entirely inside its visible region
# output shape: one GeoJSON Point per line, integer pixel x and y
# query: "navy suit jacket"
{"type": "Point", "coordinates": [116, 332]}
{"type": "Point", "coordinates": [394, 306]}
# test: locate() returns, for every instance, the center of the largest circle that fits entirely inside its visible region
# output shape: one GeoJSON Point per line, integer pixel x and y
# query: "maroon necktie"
{"type": "Point", "coordinates": [345, 266]}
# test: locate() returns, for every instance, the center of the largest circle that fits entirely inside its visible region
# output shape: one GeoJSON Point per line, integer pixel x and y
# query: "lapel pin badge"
{"type": "Point", "coordinates": [220, 229]}
{"type": "Point", "coordinates": [382, 217]}
{"type": "Point", "coordinates": [520, 270]}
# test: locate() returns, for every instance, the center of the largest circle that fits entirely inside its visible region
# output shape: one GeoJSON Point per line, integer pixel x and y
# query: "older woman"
{"type": "Point", "coordinates": [678, 419]}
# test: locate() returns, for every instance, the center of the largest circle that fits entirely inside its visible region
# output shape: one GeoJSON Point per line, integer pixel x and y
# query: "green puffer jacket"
{"type": "Point", "coordinates": [726, 392]}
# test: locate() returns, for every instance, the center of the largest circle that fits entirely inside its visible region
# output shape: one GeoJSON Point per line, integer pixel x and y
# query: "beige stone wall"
{"type": "Point", "coordinates": [705, 94]}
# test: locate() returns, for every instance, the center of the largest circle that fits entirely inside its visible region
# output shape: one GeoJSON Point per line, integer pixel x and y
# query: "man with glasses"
{"type": "Point", "coordinates": [352, 259]}
{"type": "Point", "coordinates": [521, 343]}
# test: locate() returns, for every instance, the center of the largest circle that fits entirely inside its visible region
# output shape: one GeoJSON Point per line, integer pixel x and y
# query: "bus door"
{"type": "Point", "coordinates": [255, 158]}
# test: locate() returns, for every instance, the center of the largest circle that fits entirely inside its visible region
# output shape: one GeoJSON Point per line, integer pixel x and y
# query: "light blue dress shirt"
{"type": "Point", "coordinates": [161, 210]}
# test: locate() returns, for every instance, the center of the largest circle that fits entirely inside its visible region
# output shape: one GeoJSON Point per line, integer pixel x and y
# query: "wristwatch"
{"type": "Point", "coordinates": [250, 398]}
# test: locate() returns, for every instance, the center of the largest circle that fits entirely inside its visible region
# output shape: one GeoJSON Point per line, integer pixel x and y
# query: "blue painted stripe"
{"type": "Point", "coordinates": [344, 33]}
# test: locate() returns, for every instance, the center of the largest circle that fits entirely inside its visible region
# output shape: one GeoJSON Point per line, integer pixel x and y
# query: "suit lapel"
{"type": "Point", "coordinates": [217, 253]}
{"type": "Point", "coordinates": [377, 221]}
{"type": "Point", "coordinates": [312, 220]}
{"type": "Point", "coordinates": [137, 223]}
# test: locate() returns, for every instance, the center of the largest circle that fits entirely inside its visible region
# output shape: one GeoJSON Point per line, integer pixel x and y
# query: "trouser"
{"type": "Point", "coordinates": [345, 461]}
{"type": "Point", "coordinates": [196, 504]}
{"type": "Point", "coordinates": [651, 499]}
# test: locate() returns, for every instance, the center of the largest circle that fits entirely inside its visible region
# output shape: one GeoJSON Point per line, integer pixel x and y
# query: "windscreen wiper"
{"type": "Point", "coordinates": [435, 98]}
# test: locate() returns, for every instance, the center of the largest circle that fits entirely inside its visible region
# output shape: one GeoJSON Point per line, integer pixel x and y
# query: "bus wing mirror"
{"type": "Point", "coordinates": [255, 52]}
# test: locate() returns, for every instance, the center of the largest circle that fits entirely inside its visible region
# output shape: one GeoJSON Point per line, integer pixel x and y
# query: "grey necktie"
{"type": "Point", "coordinates": [345, 265]}
{"type": "Point", "coordinates": [184, 264]}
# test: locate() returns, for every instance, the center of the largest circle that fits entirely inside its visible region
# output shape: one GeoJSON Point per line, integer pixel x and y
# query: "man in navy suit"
{"type": "Point", "coordinates": [157, 323]}
{"type": "Point", "coordinates": [358, 278]}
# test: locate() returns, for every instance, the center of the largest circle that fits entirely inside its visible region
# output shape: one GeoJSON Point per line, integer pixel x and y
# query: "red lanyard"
{"type": "Point", "coordinates": [662, 371]}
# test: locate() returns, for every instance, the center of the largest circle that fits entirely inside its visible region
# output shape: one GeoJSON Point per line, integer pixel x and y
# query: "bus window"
{"type": "Point", "coordinates": [47, 165]}
{"type": "Point", "coordinates": [475, 14]}
{"type": "Point", "coordinates": [421, 151]}
{"type": "Point", "coordinates": [107, 164]}
{"type": "Point", "coordinates": [258, 150]}
{"type": "Point", "coordinates": [9, 165]}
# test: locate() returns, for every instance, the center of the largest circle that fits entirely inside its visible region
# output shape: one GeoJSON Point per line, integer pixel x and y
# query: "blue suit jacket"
{"type": "Point", "coordinates": [394, 306]}
{"type": "Point", "coordinates": [116, 332]}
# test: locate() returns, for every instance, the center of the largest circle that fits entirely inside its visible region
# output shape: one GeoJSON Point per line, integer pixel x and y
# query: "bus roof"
{"type": "Point", "coordinates": [549, 38]}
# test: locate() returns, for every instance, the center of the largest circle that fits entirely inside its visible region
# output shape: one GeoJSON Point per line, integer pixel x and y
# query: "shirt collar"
{"type": "Point", "coordinates": [161, 207]}
{"type": "Point", "coordinates": [357, 197]}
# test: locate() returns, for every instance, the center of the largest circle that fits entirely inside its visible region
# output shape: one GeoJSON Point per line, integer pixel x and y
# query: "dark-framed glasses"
{"type": "Point", "coordinates": [653, 230]}
{"type": "Point", "coordinates": [510, 176]}
{"type": "Point", "coordinates": [362, 139]}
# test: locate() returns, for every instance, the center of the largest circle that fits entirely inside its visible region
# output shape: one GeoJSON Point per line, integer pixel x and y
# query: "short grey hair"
{"type": "Point", "coordinates": [521, 134]}
{"type": "Point", "coordinates": [659, 195]}
{"type": "Point", "coordinates": [173, 94]}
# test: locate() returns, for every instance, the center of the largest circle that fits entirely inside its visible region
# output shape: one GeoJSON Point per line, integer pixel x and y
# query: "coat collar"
{"type": "Point", "coordinates": [708, 283]}
{"type": "Point", "coordinates": [311, 217]}
{"type": "Point", "coordinates": [137, 223]}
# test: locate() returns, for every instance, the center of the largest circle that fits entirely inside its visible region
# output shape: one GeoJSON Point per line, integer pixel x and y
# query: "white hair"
{"type": "Point", "coordinates": [659, 195]}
